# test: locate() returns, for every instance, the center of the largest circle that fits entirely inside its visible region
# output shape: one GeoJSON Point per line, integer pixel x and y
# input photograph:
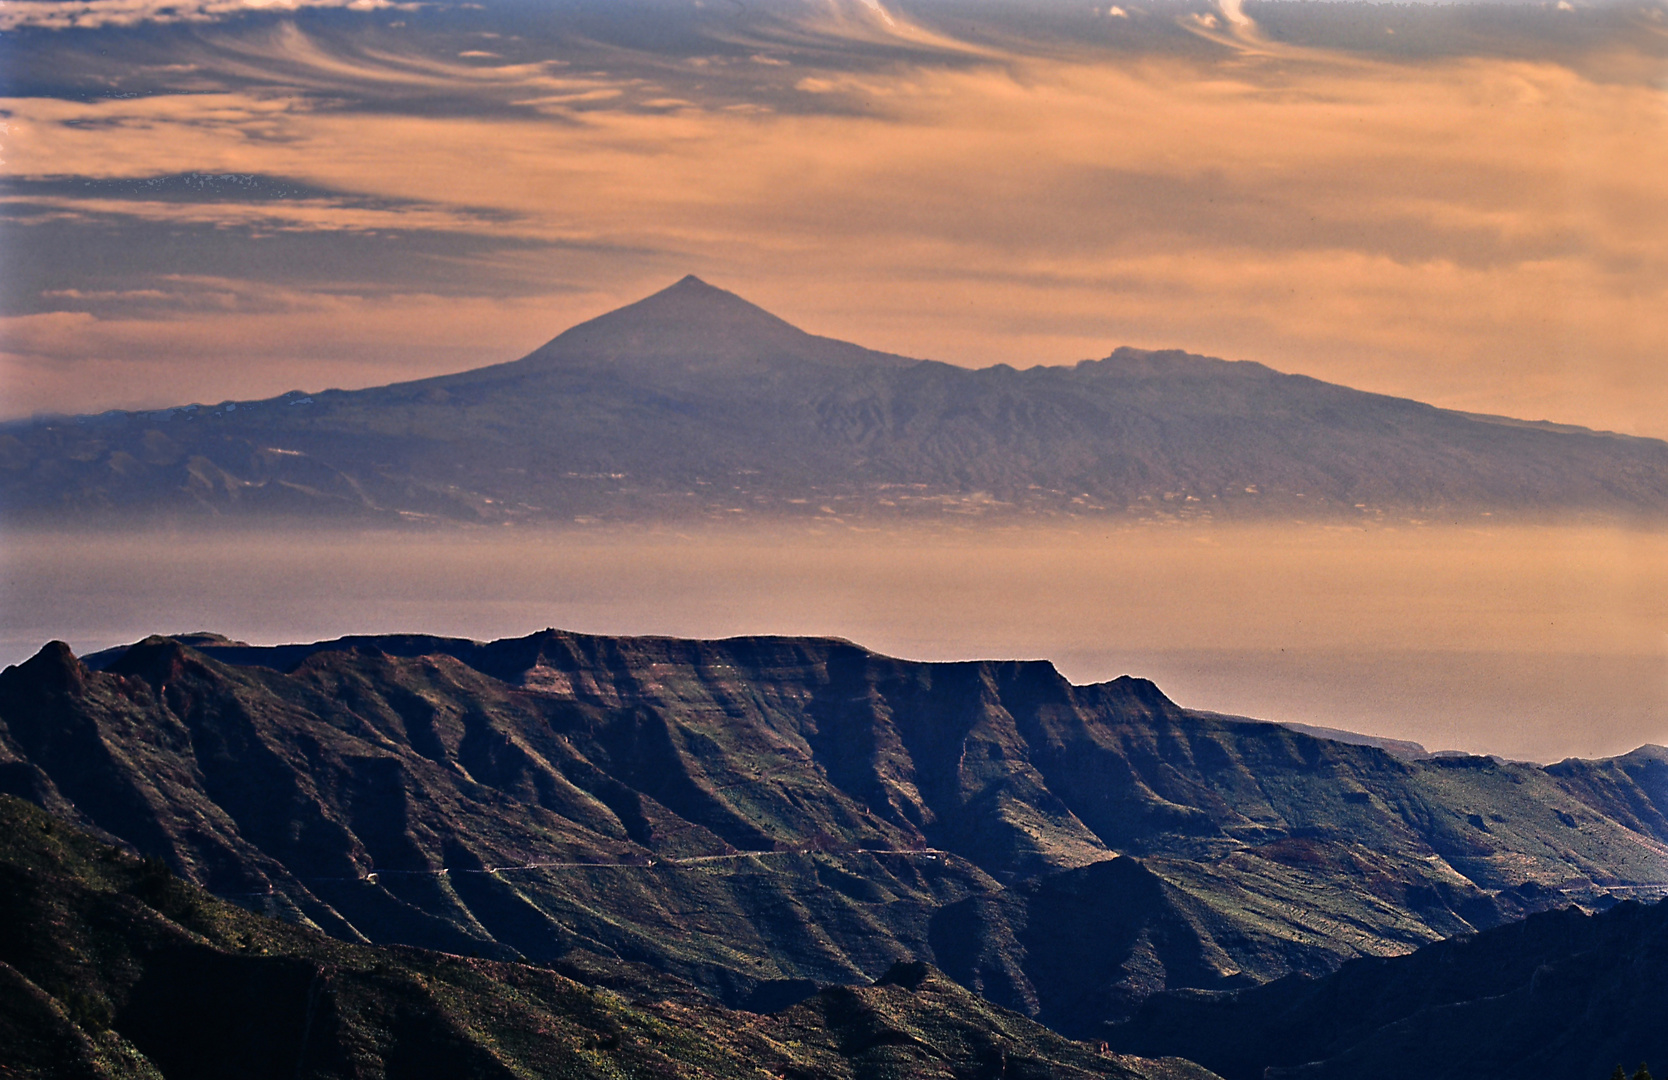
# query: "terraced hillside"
{"type": "Point", "coordinates": [757, 816]}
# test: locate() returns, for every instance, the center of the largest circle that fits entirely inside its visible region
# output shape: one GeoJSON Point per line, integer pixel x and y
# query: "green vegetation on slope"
{"type": "Point", "coordinates": [112, 967]}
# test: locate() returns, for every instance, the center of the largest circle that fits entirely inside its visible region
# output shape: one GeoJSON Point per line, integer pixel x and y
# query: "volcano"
{"type": "Point", "coordinates": [696, 404]}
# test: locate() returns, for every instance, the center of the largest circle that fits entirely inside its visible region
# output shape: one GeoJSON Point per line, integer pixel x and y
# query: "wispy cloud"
{"type": "Point", "coordinates": [1482, 229]}
{"type": "Point", "coordinates": [94, 14]}
{"type": "Point", "coordinates": [287, 56]}
{"type": "Point", "coordinates": [265, 218]}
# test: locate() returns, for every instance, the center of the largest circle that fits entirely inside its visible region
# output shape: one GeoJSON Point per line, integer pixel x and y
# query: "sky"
{"type": "Point", "coordinates": [211, 199]}
{"type": "Point", "coordinates": [1467, 204]}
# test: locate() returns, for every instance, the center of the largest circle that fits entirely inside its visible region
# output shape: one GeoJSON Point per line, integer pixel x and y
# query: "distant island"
{"type": "Point", "coordinates": [694, 404]}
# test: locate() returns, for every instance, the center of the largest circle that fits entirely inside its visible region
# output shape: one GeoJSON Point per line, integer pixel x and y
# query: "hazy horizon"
{"type": "Point", "coordinates": [211, 200]}
{"type": "Point", "coordinates": [1533, 643]}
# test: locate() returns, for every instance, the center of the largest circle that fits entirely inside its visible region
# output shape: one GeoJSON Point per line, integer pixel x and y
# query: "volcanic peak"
{"type": "Point", "coordinates": [697, 327]}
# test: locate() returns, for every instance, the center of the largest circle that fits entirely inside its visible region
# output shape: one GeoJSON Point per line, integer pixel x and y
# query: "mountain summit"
{"type": "Point", "coordinates": [695, 403]}
{"type": "Point", "coordinates": [695, 327]}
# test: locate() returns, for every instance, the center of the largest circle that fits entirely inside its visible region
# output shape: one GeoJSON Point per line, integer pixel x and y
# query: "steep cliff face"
{"type": "Point", "coordinates": [752, 813]}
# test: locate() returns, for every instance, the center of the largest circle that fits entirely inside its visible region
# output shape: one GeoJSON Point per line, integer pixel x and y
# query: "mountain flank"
{"type": "Point", "coordinates": [755, 817]}
{"type": "Point", "coordinates": [694, 404]}
{"type": "Point", "coordinates": [112, 967]}
{"type": "Point", "coordinates": [1562, 993]}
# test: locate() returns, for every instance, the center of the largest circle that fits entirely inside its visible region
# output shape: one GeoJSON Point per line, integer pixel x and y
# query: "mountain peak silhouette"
{"type": "Point", "coordinates": [698, 328]}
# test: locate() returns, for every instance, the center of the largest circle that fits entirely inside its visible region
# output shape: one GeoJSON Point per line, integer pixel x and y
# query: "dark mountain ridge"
{"type": "Point", "coordinates": [112, 967]}
{"type": "Point", "coordinates": [1561, 993]}
{"type": "Point", "coordinates": [693, 403]}
{"type": "Point", "coordinates": [759, 815]}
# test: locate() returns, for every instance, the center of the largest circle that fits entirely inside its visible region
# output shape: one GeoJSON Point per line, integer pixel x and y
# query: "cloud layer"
{"type": "Point", "coordinates": [96, 14]}
{"type": "Point", "coordinates": [1336, 189]}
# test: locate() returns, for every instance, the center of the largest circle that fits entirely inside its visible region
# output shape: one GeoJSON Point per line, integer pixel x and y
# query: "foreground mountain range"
{"type": "Point", "coordinates": [694, 404]}
{"type": "Point", "coordinates": [1561, 993]}
{"type": "Point", "coordinates": [746, 820]}
{"type": "Point", "coordinates": [111, 967]}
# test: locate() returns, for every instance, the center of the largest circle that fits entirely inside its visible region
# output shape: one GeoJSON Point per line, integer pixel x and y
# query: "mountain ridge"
{"type": "Point", "coordinates": [694, 404]}
{"type": "Point", "coordinates": [758, 814]}
{"type": "Point", "coordinates": [112, 967]}
{"type": "Point", "coordinates": [1561, 993]}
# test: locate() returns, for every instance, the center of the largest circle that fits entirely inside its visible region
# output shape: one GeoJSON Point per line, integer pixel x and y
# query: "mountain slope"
{"type": "Point", "coordinates": [110, 967]}
{"type": "Point", "coordinates": [1562, 993]}
{"type": "Point", "coordinates": [694, 403]}
{"type": "Point", "coordinates": [756, 814]}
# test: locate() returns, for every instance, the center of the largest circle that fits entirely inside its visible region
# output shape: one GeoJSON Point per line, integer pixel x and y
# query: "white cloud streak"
{"type": "Point", "coordinates": [92, 14]}
{"type": "Point", "coordinates": [1486, 233]}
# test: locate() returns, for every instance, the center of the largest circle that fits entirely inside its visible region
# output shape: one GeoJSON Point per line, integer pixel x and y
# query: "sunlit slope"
{"type": "Point", "coordinates": [694, 403]}
{"type": "Point", "coordinates": [747, 813]}
{"type": "Point", "coordinates": [114, 968]}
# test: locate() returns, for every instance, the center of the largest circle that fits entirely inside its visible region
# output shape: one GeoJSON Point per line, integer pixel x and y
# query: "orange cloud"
{"type": "Point", "coordinates": [90, 14]}
{"type": "Point", "coordinates": [1485, 233]}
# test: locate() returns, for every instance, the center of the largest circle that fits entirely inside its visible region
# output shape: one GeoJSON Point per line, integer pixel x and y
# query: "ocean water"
{"type": "Point", "coordinates": [1534, 643]}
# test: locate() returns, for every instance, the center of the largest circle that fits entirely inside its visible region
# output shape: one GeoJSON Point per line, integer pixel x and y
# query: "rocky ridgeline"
{"type": "Point", "coordinates": [759, 816]}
